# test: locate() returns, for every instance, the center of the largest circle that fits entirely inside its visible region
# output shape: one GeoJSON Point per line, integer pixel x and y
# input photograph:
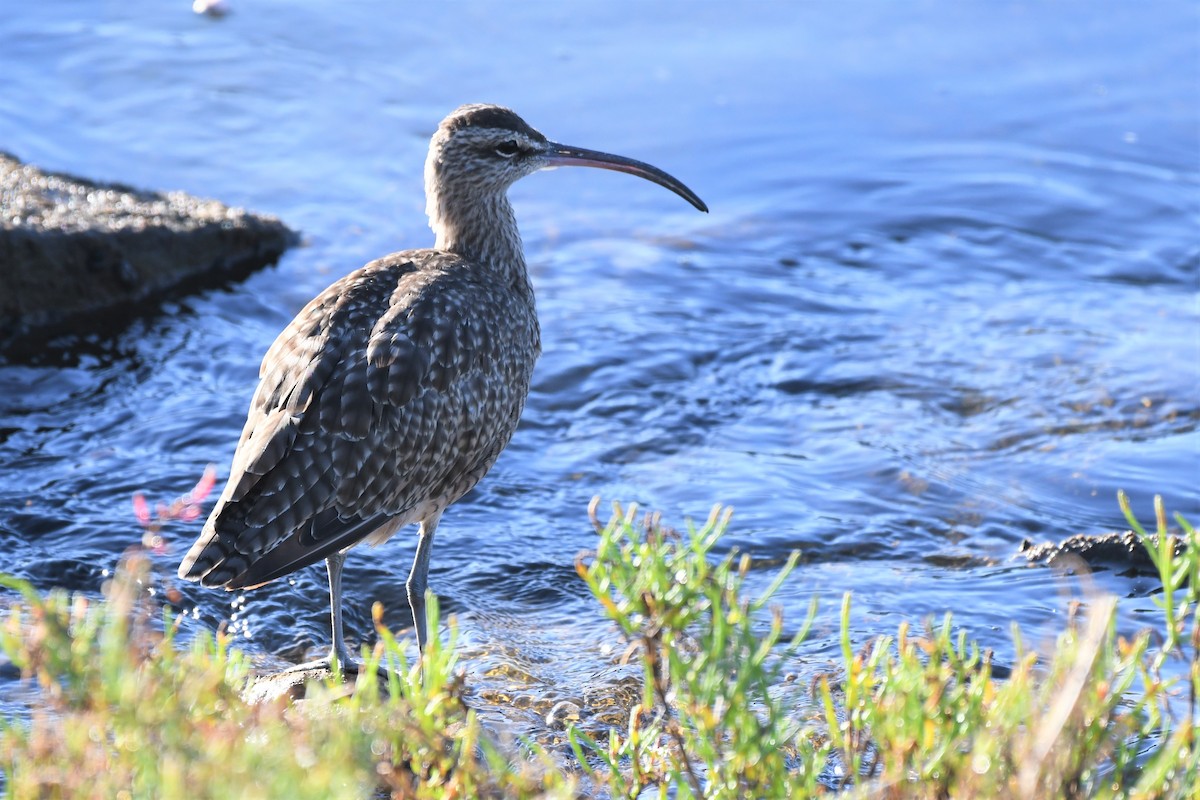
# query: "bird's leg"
{"type": "Point", "coordinates": [339, 655]}
{"type": "Point", "coordinates": [418, 578]}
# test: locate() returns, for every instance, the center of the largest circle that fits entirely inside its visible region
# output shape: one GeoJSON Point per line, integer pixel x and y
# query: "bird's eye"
{"type": "Point", "coordinates": [508, 149]}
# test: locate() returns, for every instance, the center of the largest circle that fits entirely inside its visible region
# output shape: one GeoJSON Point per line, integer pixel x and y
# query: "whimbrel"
{"type": "Point", "coordinates": [391, 394]}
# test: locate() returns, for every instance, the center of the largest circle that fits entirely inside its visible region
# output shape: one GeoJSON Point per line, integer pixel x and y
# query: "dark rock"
{"type": "Point", "coordinates": [75, 254]}
{"type": "Point", "coordinates": [1122, 552]}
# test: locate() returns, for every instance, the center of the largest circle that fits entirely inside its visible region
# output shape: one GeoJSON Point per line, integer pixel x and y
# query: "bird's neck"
{"type": "Point", "coordinates": [483, 231]}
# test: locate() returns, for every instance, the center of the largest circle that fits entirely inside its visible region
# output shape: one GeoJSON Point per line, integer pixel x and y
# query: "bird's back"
{"type": "Point", "coordinates": [386, 399]}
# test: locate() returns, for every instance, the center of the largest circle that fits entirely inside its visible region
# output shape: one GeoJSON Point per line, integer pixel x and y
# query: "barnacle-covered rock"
{"type": "Point", "coordinates": [76, 254]}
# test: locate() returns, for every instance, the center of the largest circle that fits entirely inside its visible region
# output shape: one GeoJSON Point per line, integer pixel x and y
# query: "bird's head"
{"type": "Point", "coordinates": [483, 149]}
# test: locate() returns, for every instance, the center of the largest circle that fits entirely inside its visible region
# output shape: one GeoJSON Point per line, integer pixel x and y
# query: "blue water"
{"type": "Point", "coordinates": [946, 299]}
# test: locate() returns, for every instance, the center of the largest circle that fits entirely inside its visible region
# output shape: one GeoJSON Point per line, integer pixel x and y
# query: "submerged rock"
{"type": "Point", "coordinates": [74, 254]}
{"type": "Point", "coordinates": [293, 683]}
{"type": "Point", "coordinates": [1122, 552]}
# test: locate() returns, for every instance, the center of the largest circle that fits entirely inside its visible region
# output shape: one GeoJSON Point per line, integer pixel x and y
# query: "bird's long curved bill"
{"type": "Point", "coordinates": [561, 155]}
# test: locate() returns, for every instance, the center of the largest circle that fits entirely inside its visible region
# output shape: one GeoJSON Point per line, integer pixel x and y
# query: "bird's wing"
{"type": "Point", "coordinates": [350, 428]}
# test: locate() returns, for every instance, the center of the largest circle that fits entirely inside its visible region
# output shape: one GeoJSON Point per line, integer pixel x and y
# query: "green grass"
{"type": "Point", "coordinates": [122, 710]}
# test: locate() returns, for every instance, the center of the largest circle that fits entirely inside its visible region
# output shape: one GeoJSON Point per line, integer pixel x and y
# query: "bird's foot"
{"type": "Point", "coordinates": [337, 662]}
{"type": "Point", "coordinates": [341, 665]}
{"type": "Point", "coordinates": [340, 662]}
{"type": "Point", "coordinates": [318, 666]}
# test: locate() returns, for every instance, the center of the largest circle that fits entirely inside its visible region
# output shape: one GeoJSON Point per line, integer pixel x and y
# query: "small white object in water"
{"type": "Point", "coordinates": [211, 8]}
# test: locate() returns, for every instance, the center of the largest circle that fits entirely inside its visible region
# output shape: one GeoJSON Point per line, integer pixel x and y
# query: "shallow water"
{"type": "Point", "coordinates": [946, 299]}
